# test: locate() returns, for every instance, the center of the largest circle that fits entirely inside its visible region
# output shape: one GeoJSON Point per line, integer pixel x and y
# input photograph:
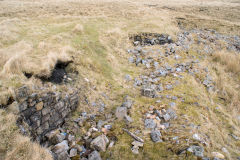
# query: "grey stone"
{"type": "Point", "coordinates": [138, 60]}
{"type": "Point", "coordinates": [100, 143]}
{"type": "Point", "coordinates": [131, 60]}
{"type": "Point", "coordinates": [128, 77]}
{"type": "Point", "coordinates": [196, 150]}
{"type": "Point", "coordinates": [148, 92]}
{"type": "Point", "coordinates": [128, 119]}
{"type": "Point", "coordinates": [159, 88]}
{"type": "Point", "coordinates": [108, 126]}
{"type": "Point", "coordinates": [73, 152]}
{"type": "Point", "coordinates": [60, 147]}
{"type": "Point", "coordinates": [159, 114]}
{"type": "Point", "coordinates": [62, 156]}
{"type": "Point", "coordinates": [54, 137]}
{"type": "Point", "coordinates": [94, 156]}
{"type": "Point", "coordinates": [172, 104]}
{"type": "Point", "coordinates": [135, 150]}
{"type": "Point", "coordinates": [166, 117]}
{"type": "Point", "coordinates": [172, 113]}
{"type": "Point", "coordinates": [121, 112]}
{"type": "Point", "coordinates": [235, 137]}
{"type": "Point", "coordinates": [137, 144]}
{"type": "Point", "coordinates": [45, 111]}
{"type": "Point", "coordinates": [169, 86]}
{"type": "Point", "coordinates": [100, 124]}
{"type": "Point", "coordinates": [156, 64]}
{"type": "Point", "coordinates": [156, 136]}
{"type": "Point", "coordinates": [174, 98]}
{"type": "Point", "coordinates": [166, 125]}
{"type": "Point", "coordinates": [149, 123]}
{"type": "Point", "coordinates": [23, 106]}
{"type": "Point", "coordinates": [127, 102]}
{"type": "Point", "coordinates": [196, 137]}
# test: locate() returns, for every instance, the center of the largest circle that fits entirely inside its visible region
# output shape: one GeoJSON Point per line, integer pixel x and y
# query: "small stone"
{"type": "Point", "coordinates": [100, 124]}
{"type": "Point", "coordinates": [218, 155]}
{"type": "Point", "coordinates": [39, 106]}
{"type": "Point", "coordinates": [148, 92]}
{"type": "Point", "coordinates": [156, 136]}
{"type": "Point", "coordinates": [166, 117]}
{"type": "Point", "coordinates": [60, 147]}
{"type": "Point", "coordinates": [137, 144]}
{"type": "Point", "coordinates": [131, 60]}
{"type": "Point", "coordinates": [166, 125]}
{"type": "Point", "coordinates": [196, 150]}
{"type": "Point", "coordinates": [172, 104]}
{"type": "Point", "coordinates": [149, 123]}
{"type": "Point", "coordinates": [128, 77]}
{"type": "Point", "coordinates": [121, 112]}
{"type": "Point", "coordinates": [196, 137]}
{"type": "Point", "coordinates": [128, 119]}
{"type": "Point", "coordinates": [55, 137]}
{"type": "Point", "coordinates": [169, 86]}
{"type": "Point", "coordinates": [73, 152]}
{"type": "Point", "coordinates": [62, 156]}
{"type": "Point", "coordinates": [177, 57]}
{"type": "Point", "coordinates": [135, 150]}
{"type": "Point", "coordinates": [111, 144]}
{"type": "Point", "coordinates": [172, 113]}
{"type": "Point", "coordinates": [108, 126]}
{"type": "Point", "coordinates": [235, 137]}
{"type": "Point", "coordinates": [100, 143]}
{"type": "Point", "coordinates": [225, 150]}
{"type": "Point", "coordinates": [127, 102]}
{"type": "Point", "coordinates": [94, 156]}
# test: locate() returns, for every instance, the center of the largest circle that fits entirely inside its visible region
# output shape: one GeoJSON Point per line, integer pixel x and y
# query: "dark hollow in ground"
{"type": "Point", "coordinates": [9, 102]}
{"type": "Point", "coordinates": [28, 75]}
{"type": "Point", "coordinates": [59, 73]}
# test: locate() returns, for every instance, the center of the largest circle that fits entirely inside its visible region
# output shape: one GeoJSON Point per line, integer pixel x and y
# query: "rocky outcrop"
{"type": "Point", "coordinates": [44, 111]}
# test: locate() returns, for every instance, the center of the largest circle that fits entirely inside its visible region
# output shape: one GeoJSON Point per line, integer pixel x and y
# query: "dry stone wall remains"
{"type": "Point", "coordinates": [44, 112]}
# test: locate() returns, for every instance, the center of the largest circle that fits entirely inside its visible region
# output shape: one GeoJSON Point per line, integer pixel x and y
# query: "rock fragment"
{"type": "Point", "coordinates": [100, 143]}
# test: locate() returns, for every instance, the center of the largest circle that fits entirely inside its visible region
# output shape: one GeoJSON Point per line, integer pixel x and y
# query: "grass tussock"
{"type": "Point", "coordinates": [14, 146]}
{"type": "Point", "coordinates": [230, 60]}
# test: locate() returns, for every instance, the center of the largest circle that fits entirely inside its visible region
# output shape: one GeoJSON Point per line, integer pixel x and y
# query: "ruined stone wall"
{"type": "Point", "coordinates": [44, 112]}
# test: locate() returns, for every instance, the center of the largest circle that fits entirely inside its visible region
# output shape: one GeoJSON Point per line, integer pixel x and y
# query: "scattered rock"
{"type": "Point", "coordinates": [196, 150]}
{"type": "Point", "coordinates": [121, 112]}
{"type": "Point", "coordinates": [128, 119]}
{"type": "Point", "coordinates": [218, 155]}
{"type": "Point", "coordinates": [149, 123]}
{"type": "Point", "coordinates": [100, 143]}
{"type": "Point", "coordinates": [127, 102]}
{"type": "Point", "coordinates": [73, 152]}
{"type": "Point", "coordinates": [135, 147]}
{"type": "Point", "coordinates": [60, 147]}
{"type": "Point", "coordinates": [156, 136]}
{"type": "Point", "coordinates": [196, 137]}
{"type": "Point", "coordinates": [148, 92]}
{"type": "Point", "coordinates": [94, 156]}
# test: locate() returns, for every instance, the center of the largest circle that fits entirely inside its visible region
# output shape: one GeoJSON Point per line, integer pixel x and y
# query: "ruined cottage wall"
{"type": "Point", "coordinates": [44, 112]}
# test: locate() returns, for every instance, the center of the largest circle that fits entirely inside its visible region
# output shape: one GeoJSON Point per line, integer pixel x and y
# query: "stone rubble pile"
{"type": "Point", "coordinates": [88, 135]}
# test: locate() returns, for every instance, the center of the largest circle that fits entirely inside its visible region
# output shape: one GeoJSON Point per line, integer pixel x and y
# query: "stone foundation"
{"type": "Point", "coordinates": [44, 112]}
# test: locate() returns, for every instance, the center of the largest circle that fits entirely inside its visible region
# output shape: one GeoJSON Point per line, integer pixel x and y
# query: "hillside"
{"type": "Point", "coordinates": [123, 79]}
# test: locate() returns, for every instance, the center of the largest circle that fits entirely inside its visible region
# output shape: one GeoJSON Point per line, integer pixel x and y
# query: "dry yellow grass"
{"type": "Point", "coordinates": [230, 60]}
{"type": "Point", "coordinates": [32, 39]}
